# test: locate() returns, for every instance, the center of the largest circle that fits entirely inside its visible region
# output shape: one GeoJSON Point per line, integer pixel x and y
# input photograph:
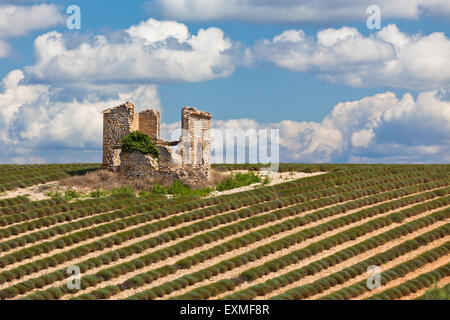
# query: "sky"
{"type": "Point", "coordinates": [337, 90]}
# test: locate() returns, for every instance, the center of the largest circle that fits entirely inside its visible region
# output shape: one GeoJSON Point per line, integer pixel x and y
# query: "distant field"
{"type": "Point", "coordinates": [311, 238]}
{"type": "Point", "coordinates": [20, 176]}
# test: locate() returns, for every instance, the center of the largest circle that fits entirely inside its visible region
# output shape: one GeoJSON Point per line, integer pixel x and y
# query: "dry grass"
{"type": "Point", "coordinates": [107, 180]}
{"type": "Point", "coordinates": [217, 176]}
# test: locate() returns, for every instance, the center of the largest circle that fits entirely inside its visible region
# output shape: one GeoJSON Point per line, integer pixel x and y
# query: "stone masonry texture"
{"type": "Point", "coordinates": [193, 147]}
{"type": "Point", "coordinates": [195, 141]}
{"type": "Point", "coordinates": [117, 123]}
{"type": "Point", "coordinates": [150, 123]}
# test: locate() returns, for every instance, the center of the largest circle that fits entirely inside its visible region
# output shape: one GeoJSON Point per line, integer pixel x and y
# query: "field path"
{"type": "Point", "coordinates": [337, 267]}
{"type": "Point", "coordinates": [172, 242]}
{"type": "Point", "coordinates": [410, 255]}
{"type": "Point", "coordinates": [194, 251]}
{"type": "Point", "coordinates": [411, 275]}
{"type": "Point", "coordinates": [419, 293]}
{"type": "Point", "coordinates": [236, 271]}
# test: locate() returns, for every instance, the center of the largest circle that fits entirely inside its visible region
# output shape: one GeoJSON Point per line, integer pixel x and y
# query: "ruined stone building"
{"type": "Point", "coordinates": [194, 145]}
{"type": "Point", "coordinates": [192, 149]}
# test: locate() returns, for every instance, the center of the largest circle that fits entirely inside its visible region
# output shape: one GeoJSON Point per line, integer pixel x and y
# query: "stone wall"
{"type": "Point", "coordinates": [195, 143]}
{"type": "Point", "coordinates": [193, 147]}
{"type": "Point", "coordinates": [117, 123]}
{"type": "Point", "coordinates": [137, 165]}
{"type": "Point", "coordinates": [150, 123]}
{"type": "Point", "coordinates": [135, 123]}
{"type": "Point", "coordinates": [167, 157]}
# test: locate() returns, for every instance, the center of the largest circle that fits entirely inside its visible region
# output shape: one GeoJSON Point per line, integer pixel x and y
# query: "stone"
{"type": "Point", "coordinates": [137, 164]}
{"type": "Point", "coordinates": [194, 147]}
{"type": "Point", "coordinates": [117, 123]}
{"type": "Point", "coordinates": [150, 123]}
{"type": "Point", "coordinates": [191, 159]}
{"type": "Point", "coordinates": [167, 156]}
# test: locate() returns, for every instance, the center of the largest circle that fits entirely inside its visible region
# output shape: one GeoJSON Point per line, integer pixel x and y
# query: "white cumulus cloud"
{"type": "Point", "coordinates": [362, 138]}
{"type": "Point", "coordinates": [20, 20]}
{"type": "Point", "coordinates": [379, 128]}
{"type": "Point", "coordinates": [388, 58]}
{"type": "Point", "coordinates": [149, 51]}
{"type": "Point", "coordinates": [39, 123]}
{"type": "Point", "coordinates": [17, 21]}
{"type": "Point", "coordinates": [35, 121]}
{"type": "Point", "coordinates": [300, 11]}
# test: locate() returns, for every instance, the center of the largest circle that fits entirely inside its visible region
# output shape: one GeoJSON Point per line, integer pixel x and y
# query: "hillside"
{"type": "Point", "coordinates": [309, 238]}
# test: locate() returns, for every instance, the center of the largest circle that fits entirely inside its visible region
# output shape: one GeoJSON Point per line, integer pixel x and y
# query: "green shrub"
{"type": "Point", "coordinates": [98, 193]}
{"type": "Point", "coordinates": [141, 142]}
{"type": "Point", "coordinates": [180, 189]}
{"type": "Point", "coordinates": [144, 193]}
{"type": "Point", "coordinates": [71, 194]}
{"type": "Point", "coordinates": [436, 293]}
{"type": "Point", "coordinates": [238, 180]}
{"type": "Point", "coordinates": [54, 195]}
{"type": "Point", "coordinates": [123, 190]}
{"type": "Point", "coordinates": [159, 189]}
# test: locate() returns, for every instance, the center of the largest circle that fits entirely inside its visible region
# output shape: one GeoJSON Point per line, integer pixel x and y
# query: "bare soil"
{"type": "Point", "coordinates": [427, 268]}
{"type": "Point", "coordinates": [107, 180]}
{"type": "Point", "coordinates": [440, 284]}
{"type": "Point", "coordinates": [170, 260]}
{"type": "Point", "coordinates": [34, 193]}
{"type": "Point", "coordinates": [234, 273]}
{"type": "Point", "coordinates": [335, 268]}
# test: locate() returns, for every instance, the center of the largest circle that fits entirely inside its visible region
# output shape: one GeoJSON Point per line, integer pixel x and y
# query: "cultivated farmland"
{"type": "Point", "coordinates": [310, 238]}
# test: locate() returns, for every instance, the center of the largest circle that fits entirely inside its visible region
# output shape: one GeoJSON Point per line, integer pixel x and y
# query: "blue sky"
{"type": "Point", "coordinates": [283, 84]}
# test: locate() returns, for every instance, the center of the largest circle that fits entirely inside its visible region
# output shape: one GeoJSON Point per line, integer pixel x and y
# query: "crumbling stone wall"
{"type": "Point", "coordinates": [193, 147]}
{"type": "Point", "coordinates": [195, 142]}
{"type": "Point", "coordinates": [167, 157]}
{"type": "Point", "coordinates": [137, 165]}
{"type": "Point", "coordinates": [117, 123]}
{"type": "Point", "coordinates": [150, 123]}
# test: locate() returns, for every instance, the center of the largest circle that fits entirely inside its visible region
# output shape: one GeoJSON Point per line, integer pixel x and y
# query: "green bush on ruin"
{"type": "Point", "coordinates": [141, 142]}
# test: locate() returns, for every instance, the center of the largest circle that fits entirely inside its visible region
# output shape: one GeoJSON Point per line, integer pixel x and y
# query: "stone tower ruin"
{"type": "Point", "coordinates": [117, 123]}
{"type": "Point", "coordinates": [193, 147]}
{"type": "Point", "coordinates": [195, 140]}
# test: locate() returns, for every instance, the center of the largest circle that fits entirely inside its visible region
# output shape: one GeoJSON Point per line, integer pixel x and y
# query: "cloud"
{"type": "Point", "coordinates": [296, 11]}
{"type": "Point", "coordinates": [362, 138]}
{"type": "Point", "coordinates": [40, 123]}
{"type": "Point", "coordinates": [17, 21]}
{"type": "Point", "coordinates": [155, 51]}
{"type": "Point", "coordinates": [344, 56]}
{"type": "Point", "coordinates": [379, 128]}
{"type": "Point", "coordinates": [148, 52]}
{"type": "Point", "coordinates": [50, 111]}
{"type": "Point", "coordinates": [20, 20]}
{"type": "Point", "coordinates": [37, 124]}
